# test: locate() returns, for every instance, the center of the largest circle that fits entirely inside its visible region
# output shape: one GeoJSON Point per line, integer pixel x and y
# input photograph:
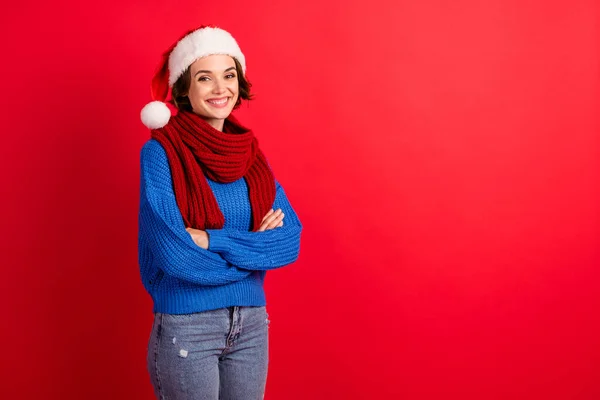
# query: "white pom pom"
{"type": "Point", "coordinates": [155, 114]}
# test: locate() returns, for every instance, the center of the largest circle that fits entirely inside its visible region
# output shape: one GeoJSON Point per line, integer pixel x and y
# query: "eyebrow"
{"type": "Point", "coordinates": [205, 71]}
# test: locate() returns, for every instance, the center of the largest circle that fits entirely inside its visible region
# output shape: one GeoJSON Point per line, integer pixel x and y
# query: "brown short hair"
{"type": "Point", "coordinates": [179, 91]}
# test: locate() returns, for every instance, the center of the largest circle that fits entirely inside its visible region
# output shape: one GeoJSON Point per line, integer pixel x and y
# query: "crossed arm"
{"type": "Point", "coordinates": [273, 219]}
{"type": "Point", "coordinates": [214, 256]}
{"type": "Point", "coordinates": [275, 244]}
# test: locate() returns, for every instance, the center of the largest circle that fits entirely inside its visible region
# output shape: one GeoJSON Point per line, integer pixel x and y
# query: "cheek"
{"type": "Point", "coordinates": [194, 91]}
{"type": "Point", "coordinates": [235, 87]}
{"type": "Point", "coordinates": [195, 94]}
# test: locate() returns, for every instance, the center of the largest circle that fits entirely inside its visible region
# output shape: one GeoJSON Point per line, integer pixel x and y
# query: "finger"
{"type": "Point", "coordinates": [271, 211]}
{"type": "Point", "coordinates": [272, 217]}
{"type": "Point", "coordinates": [263, 225]}
{"type": "Point", "coordinates": [268, 220]}
{"type": "Point", "coordinates": [274, 223]}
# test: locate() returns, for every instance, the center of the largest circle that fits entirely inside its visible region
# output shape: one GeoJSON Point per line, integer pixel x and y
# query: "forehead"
{"type": "Point", "coordinates": [214, 62]}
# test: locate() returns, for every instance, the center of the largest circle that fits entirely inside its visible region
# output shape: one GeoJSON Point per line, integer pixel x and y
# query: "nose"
{"type": "Point", "coordinates": [219, 86]}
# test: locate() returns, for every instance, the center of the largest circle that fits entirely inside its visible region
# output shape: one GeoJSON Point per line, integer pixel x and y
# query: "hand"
{"type": "Point", "coordinates": [199, 237]}
{"type": "Point", "coordinates": [273, 219]}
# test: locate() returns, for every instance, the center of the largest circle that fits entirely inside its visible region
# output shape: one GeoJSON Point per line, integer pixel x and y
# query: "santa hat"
{"type": "Point", "coordinates": [193, 45]}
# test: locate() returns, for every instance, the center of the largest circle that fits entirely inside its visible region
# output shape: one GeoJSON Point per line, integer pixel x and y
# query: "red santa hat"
{"type": "Point", "coordinates": [195, 44]}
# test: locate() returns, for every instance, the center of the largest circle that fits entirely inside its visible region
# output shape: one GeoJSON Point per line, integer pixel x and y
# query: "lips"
{"type": "Point", "coordinates": [218, 102]}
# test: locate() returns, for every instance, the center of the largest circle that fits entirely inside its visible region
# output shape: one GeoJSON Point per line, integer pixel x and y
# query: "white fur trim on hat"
{"type": "Point", "coordinates": [155, 114]}
{"type": "Point", "coordinates": [201, 43]}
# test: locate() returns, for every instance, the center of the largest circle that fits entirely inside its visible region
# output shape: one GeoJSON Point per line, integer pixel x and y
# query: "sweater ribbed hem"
{"type": "Point", "coordinates": [248, 292]}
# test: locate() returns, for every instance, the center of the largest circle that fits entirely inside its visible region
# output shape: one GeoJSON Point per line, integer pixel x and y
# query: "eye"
{"type": "Point", "coordinates": [203, 79]}
{"type": "Point", "coordinates": [230, 76]}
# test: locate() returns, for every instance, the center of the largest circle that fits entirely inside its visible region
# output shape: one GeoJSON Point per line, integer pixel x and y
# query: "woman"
{"type": "Point", "coordinates": [212, 221]}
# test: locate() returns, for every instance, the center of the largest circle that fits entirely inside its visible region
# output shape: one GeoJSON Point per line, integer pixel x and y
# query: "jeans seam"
{"type": "Point", "coordinates": [158, 338]}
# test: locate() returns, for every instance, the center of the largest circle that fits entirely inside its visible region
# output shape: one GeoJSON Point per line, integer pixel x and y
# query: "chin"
{"type": "Point", "coordinates": [221, 114]}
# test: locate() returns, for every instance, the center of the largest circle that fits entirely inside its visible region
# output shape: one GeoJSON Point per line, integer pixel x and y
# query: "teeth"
{"type": "Point", "coordinates": [218, 101]}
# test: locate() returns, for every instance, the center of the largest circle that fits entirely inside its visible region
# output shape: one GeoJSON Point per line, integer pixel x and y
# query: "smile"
{"type": "Point", "coordinates": [219, 103]}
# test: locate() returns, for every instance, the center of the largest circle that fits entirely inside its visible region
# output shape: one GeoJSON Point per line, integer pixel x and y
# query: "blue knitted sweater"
{"type": "Point", "coordinates": [183, 278]}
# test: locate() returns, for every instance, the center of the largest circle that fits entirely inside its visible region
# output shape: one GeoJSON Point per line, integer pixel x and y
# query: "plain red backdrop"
{"type": "Point", "coordinates": [442, 155]}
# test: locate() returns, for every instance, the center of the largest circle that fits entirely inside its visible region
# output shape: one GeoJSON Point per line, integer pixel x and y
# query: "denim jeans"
{"type": "Point", "coordinates": [219, 354]}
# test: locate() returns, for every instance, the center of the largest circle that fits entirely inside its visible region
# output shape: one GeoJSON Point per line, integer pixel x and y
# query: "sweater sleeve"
{"type": "Point", "coordinates": [161, 224]}
{"type": "Point", "coordinates": [270, 249]}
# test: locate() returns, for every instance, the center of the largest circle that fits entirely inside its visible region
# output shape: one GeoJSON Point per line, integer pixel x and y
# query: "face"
{"type": "Point", "coordinates": [214, 88]}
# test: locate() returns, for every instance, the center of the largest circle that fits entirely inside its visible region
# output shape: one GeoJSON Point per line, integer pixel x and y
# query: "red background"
{"type": "Point", "coordinates": [442, 155]}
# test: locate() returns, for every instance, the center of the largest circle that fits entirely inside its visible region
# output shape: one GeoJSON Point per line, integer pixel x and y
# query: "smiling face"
{"type": "Point", "coordinates": [214, 88]}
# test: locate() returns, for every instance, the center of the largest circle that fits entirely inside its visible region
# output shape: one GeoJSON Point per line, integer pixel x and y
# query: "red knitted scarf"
{"type": "Point", "coordinates": [196, 150]}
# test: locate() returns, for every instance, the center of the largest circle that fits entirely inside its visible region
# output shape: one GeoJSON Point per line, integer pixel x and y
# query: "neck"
{"type": "Point", "coordinates": [215, 123]}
